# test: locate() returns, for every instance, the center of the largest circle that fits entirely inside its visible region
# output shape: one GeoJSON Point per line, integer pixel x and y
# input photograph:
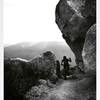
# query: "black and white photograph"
{"type": "Point", "coordinates": [49, 49]}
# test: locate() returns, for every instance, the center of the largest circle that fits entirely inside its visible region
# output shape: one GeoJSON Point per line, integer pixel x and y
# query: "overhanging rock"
{"type": "Point", "coordinates": [74, 18]}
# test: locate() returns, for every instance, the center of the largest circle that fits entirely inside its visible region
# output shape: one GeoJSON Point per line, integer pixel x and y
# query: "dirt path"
{"type": "Point", "coordinates": [72, 90]}
{"type": "Point", "coordinates": [63, 91]}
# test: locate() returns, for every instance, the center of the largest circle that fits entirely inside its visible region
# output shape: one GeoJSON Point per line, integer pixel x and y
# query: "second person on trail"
{"type": "Point", "coordinates": [58, 73]}
{"type": "Point", "coordinates": [65, 63]}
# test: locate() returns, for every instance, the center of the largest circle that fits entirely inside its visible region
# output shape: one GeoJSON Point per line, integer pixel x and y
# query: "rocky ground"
{"type": "Point", "coordinates": [66, 90]}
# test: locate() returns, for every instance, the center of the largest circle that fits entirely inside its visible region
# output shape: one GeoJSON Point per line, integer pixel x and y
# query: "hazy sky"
{"type": "Point", "coordinates": [30, 20]}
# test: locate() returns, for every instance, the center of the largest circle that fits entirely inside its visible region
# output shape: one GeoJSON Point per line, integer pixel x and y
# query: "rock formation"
{"type": "Point", "coordinates": [18, 77]}
{"type": "Point", "coordinates": [45, 65]}
{"type": "Point", "coordinates": [89, 49]}
{"type": "Point", "coordinates": [74, 18]}
{"type": "Point", "coordinates": [20, 74]}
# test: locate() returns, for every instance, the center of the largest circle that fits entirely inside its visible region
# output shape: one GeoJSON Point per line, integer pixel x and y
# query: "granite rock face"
{"type": "Point", "coordinates": [74, 18]}
{"type": "Point", "coordinates": [89, 49]}
{"type": "Point", "coordinates": [20, 74]}
{"type": "Point", "coordinates": [18, 77]}
{"type": "Point", "coordinates": [45, 64]}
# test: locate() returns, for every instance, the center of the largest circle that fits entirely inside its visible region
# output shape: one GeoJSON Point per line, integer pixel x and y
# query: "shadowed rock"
{"type": "Point", "coordinates": [89, 50]}
{"type": "Point", "coordinates": [74, 18]}
{"type": "Point", "coordinates": [21, 74]}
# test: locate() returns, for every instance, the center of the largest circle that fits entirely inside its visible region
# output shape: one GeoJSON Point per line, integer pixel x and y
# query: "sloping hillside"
{"type": "Point", "coordinates": [30, 50]}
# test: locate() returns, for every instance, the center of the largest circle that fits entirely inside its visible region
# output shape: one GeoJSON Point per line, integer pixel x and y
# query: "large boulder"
{"type": "Point", "coordinates": [20, 74]}
{"type": "Point", "coordinates": [45, 64]}
{"type": "Point", "coordinates": [74, 18]}
{"type": "Point", "coordinates": [89, 50]}
{"type": "Point", "coordinates": [18, 77]}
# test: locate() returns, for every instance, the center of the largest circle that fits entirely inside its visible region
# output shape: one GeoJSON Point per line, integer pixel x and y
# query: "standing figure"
{"type": "Point", "coordinates": [65, 63]}
{"type": "Point", "coordinates": [58, 69]}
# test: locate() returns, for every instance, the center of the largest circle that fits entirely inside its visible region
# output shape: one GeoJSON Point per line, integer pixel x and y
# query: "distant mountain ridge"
{"type": "Point", "coordinates": [29, 50]}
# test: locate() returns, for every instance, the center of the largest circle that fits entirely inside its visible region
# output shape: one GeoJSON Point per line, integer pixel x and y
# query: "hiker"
{"type": "Point", "coordinates": [58, 73]}
{"type": "Point", "coordinates": [65, 63]}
